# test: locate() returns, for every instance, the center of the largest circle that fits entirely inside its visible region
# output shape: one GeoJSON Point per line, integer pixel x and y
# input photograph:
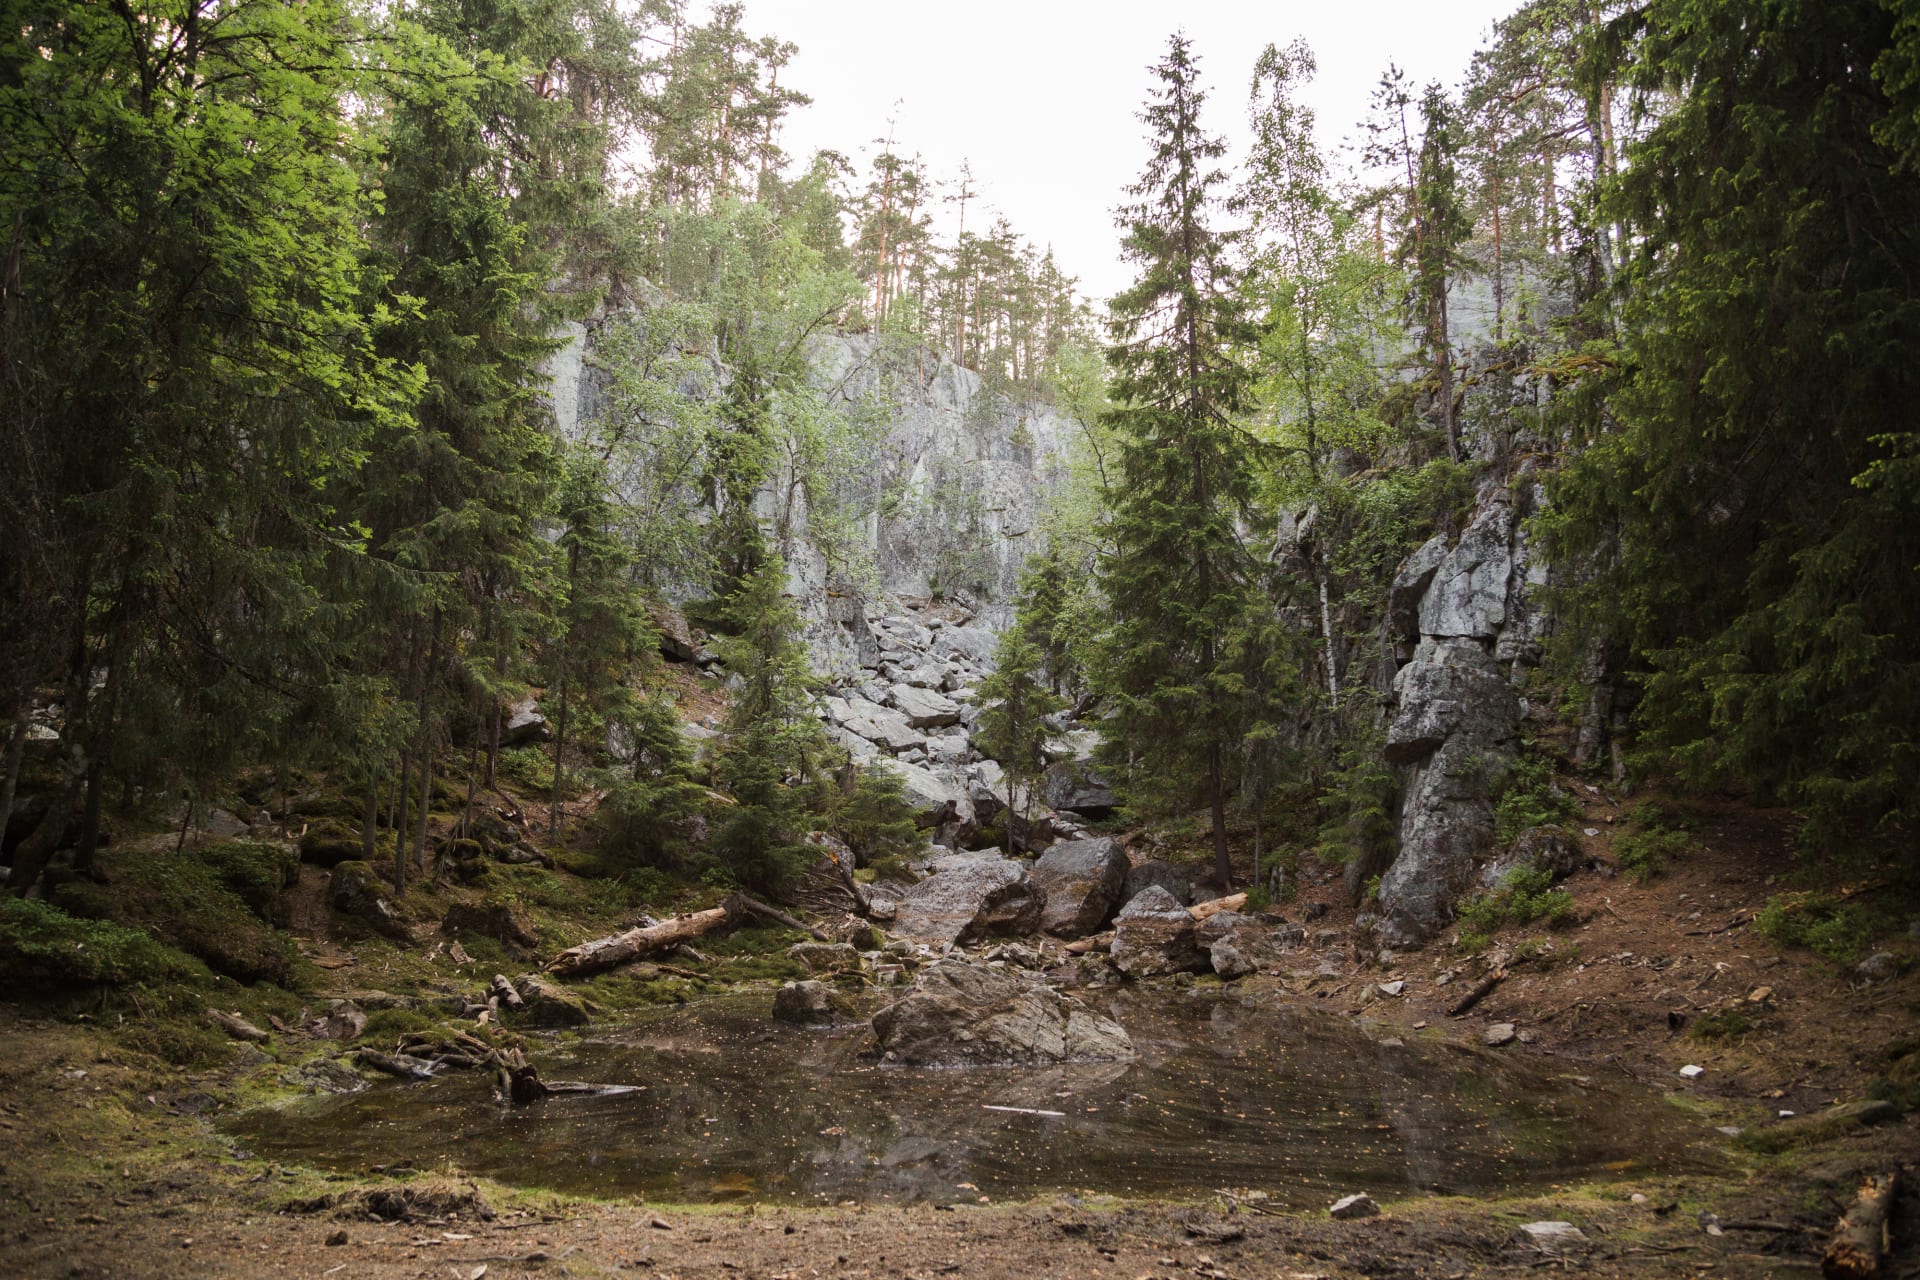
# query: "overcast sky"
{"type": "Point", "coordinates": [1040, 95]}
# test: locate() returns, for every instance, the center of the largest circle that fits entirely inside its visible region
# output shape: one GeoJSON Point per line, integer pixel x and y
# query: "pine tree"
{"type": "Point", "coordinates": [1178, 575]}
{"type": "Point", "coordinates": [1014, 706]}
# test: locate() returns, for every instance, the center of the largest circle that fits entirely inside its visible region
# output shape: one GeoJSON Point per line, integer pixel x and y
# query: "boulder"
{"type": "Point", "coordinates": [925, 708]}
{"type": "Point", "coordinates": [523, 723]}
{"type": "Point", "coordinates": [880, 725]}
{"type": "Point", "coordinates": [1083, 880]}
{"type": "Point", "coordinates": [1076, 787]}
{"type": "Point", "coordinates": [1535, 849]}
{"type": "Point", "coordinates": [545, 1003]}
{"type": "Point", "coordinates": [935, 797]}
{"type": "Point", "coordinates": [807, 1003]}
{"type": "Point", "coordinates": [976, 897]}
{"type": "Point", "coordinates": [1164, 875]}
{"type": "Point", "coordinates": [1354, 1206]}
{"type": "Point", "coordinates": [330, 842]}
{"type": "Point", "coordinates": [357, 890]}
{"type": "Point", "coordinates": [497, 919]}
{"type": "Point", "coordinates": [960, 1014]}
{"type": "Point", "coordinates": [1154, 935]}
{"type": "Point", "coordinates": [678, 643]}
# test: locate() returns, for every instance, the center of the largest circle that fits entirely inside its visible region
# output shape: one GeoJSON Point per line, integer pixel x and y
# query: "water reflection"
{"type": "Point", "coordinates": [1225, 1093]}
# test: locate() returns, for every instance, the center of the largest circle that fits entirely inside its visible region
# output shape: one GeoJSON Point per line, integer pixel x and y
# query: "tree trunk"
{"type": "Point", "coordinates": [370, 818]}
{"type": "Point", "coordinates": [1865, 1235]}
{"type": "Point", "coordinates": [1326, 631]}
{"type": "Point", "coordinates": [89, 842]}
{"type": "Point", "coordinates": [559, 747]}
{"type": "Point", "coordinates": [402, 789]}
{"type": "Point", "coordinates": [637, 944]}
{"type": "Point", "coordinates": [426, 752]}
{"type": "Point", "coordinates": [1216, 785]}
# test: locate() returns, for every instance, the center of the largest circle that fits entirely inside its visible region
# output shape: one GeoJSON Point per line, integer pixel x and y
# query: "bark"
{"type": "Point", "coordinates": [1865, 1235]}
{"type": "Point", "coordinates": [1213, 907]}
{"type": "Point", "coordinates": [637, 944]}
{"type": "Point", "coordinates": [1479, 993]}
{"type": "Point", "coordinates": [236, 1026]}
{"type": "Point", "coordinates": [16, 749]}
{"type": "Point", "coordinates": [370, 819]}
{"type": "Point", "coordinates": [426, 754]}
{"type": "Point", "coordinates": [761, 909]}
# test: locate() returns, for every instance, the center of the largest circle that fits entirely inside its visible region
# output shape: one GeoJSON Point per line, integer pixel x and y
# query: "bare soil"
{"type": "Point", "coordinates": [110, 1164]}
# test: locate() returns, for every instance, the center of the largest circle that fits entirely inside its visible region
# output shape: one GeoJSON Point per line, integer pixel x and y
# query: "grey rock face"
{"type": "Point", "coordinates": [960, 1014]}
{"type": "Point", "coordinates": [1164, 875]}
{"type": "Point", "coordinates": [1154, 936]}
{"type": "Point", "coordinates": [1468, 595]}
{"type": "Point", "coordinates": [924, 708]}
{"type": "Point", "coordinates": [935, 795]}
{"type": "Point", "coordinates": [1083, 880]}
{"type": "Point", "coordinates": [1455, 722]}
{"type": "Point", "coordinates": [971, 898]}
{"type": "Point", "coordinates": [1077, 787]}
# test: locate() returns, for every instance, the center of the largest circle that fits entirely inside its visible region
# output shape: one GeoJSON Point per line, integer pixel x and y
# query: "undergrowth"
{"type": "Point", "coordinates": [1839, 931]}
{"type": "Point", "coordinates": [1524, 895]}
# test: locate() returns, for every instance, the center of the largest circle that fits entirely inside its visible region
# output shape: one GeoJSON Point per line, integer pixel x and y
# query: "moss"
{"type": "Point", "coordinates": [42, 943]}
{"type": "Point", "coordinates": [258, 872]}
{"type": "Point", "coordinates": [183, 901]}
{"type": "Point", "coordinates": [386, 1025]}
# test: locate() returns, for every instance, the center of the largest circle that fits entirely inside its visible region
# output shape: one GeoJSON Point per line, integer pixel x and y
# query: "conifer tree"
{"type": "Point", "coordinates": [1013, 729]}
{"type": "Point", "coordinates": [1178, 575]}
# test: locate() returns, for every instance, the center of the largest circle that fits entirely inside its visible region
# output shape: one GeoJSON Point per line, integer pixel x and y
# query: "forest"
{"type": "Point", "coordinates": [480, 504]}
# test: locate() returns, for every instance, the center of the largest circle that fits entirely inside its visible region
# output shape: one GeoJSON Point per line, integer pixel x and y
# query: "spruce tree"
{"type": "Point", "coordinates": [1013, 729]}
{"type": "Point", "coordinates": [1178, 574]}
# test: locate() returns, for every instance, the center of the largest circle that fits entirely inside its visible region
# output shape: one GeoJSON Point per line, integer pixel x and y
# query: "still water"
{"type": "Point", "coordinates": [1225, 1094]}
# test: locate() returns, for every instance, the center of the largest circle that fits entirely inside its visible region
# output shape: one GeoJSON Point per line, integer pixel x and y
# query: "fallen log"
{"type": "Point", "coordinates": [403, 1065]}
{"type": "Point", "coordinates": [637, 944]}
{"type": "Point", "coordinates": [742, 902]}
{"type": "Point", "coordinates": [1213, 907]}
{"type": "Point", "coordinates": [504, 991]}
{"type": "Point", "coordinates": [1864, 1236]}
{"type": "Point", "coordinates": [236, 1026]}
{"type": "Point", "coordinates": [1479, 993]}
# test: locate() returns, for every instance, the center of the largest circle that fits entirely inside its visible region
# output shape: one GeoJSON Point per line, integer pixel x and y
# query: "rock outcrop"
{"type": "Point", "coordinates": [1083, 881]}
{"type": "Point", "coordinates": [969, 898]}
{"type": "Point", "coordinates": [961, 1014]}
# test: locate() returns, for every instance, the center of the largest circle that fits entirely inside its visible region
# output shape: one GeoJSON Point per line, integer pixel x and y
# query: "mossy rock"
{"type": "Point", "coordinates": [259, 872]}
{"type": "Point", "coordinates": [493, 918]}
{"type": "Point", "coordinates": [467, 860]}
{"type": "Point", "coordinates": [184, 901]}
{"type": "Point", "coordinates": [1822, 1126]}
{"type": "Point", "coordinates": [49, 947]}
{"type": "Point", "coordinates": [330, 842]}
{"type": "Point", "coordinates": [357, 891]}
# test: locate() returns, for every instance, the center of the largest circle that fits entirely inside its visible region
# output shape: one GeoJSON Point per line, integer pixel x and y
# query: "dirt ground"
{"type": "Point", "coordinates": [110, 1165]}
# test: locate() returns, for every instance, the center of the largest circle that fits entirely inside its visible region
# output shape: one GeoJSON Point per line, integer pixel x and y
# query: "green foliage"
{"type": "Point", "coordinates": [1754, 519]}
{"type": "Point", "coordinates": [1523, 896]}
{"type": "Point", "coordinates": [1729, 1023]}
{"type": "Point", "coordinates": [531, 767]}
{"type": "Point", "coordinates": [1014, 704]}
{"type": "Point", "coordinates": [869, 811]}
{"type": "Point", "coordinates": [1527, 796]}
{"type": "Point", "coordinates": [1840, 931]}
{"type": "Point", "coordinates": [1644, 853]}
{"type": "Point", "coordinates": [1357, 808]}
{"type": "Point", "coordinates": [40, 943]}
{"type": "Point", "coordinates": [259, 872]}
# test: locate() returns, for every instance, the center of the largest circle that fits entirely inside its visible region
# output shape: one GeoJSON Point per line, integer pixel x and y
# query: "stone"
{"type": "Point", "coordinates": [221, 825]}
{"type": "Point", "coordinates": [935, 796]}
{"type": "Point", "coordinates": [824, 957]}
{"type": "Point", "coordinates": [1410, 584]}
{"type": "Point", "coordinates": [1355, 1206]}
{"type": "Point", "coordinates": [1469, 591]}
{"type": "Point", "coordinates": [1395, 988]}
{"type": "Point", "coordinates": [961, 1014]}
{"type": "Point", "coordinates": [949, 749]}
{"type": "Point", "coordinates": [1083, 881]}
{"type": "Point", "coordinates": [342, 1021]}
{"type": "Point", "coordinates": [809, 1003]}
{"type": "Point", "coordinates": [500, 920]}
{"type": "Point", "coordinates": [1535, 849]}
{"type": "Point", "coordinates": [925, 708]}
{"type": "Point", "coordinates": [974, 897]}
{"type": "Point", "coordinates": [881, 725]}
{"type": "Point", "coordinates": [1879, 966]}
{"type": "Point", "coordinates": [1154, 935]}
{"type": "Point", "coordinates": [1499, 1034]}
{"type": "Point", "coordinates": [324, 1075]}
{"type": "Point", "coordinates": [330, 842]}
{"type": "Point", "coordinates": [1076, 787]}
{"type": "Point", "coordinates": [547, 1004]}
{"type": "Point", "coordinates": [1554, 1237]}
{"type": "Point", "coordinates": [523, 723]}
{"type": "Point", "coordinates": [1156, 873]}
{"type": "Point", "coordinates": [356, 890]}
{"type": "Point", "coordinates": [1229, 961]}
{"type": "Point", "coordinates": [678, 643]}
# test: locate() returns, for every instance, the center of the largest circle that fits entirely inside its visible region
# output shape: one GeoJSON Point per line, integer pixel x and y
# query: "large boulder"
{"type": "Point", "coordinates": [1083, 880]}
{"type": "Point", "coordinates": [960, 1014]}
{"type": "Point", "coordinates": [971, 898]}
{"type": "Point", "coordinates": [934, 795]}
{"type": "Point", "coordinates": [880, 725]}
{"type": "Point", "coordinates": [1154, 935]}
{"type": "Point", "coordinates": [925, 708]}
{"type": "Point", "coordinates": [328, 842]}
{"type": "Point", "coordinates": [495, 918]}
{"type": "Point", "coordinates": [1158, 874]}
{"type": "Point", "coordinates": [524, 724]}
{"type": "Point", "coordinates": [809, 1003]}
{"type": "Point", "coordinates": [1075, 786]}
{"type": "Point", "coordinates": [545, 1003]}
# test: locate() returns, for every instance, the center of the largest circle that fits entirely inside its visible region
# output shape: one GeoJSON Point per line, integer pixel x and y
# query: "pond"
{"type": "Point", "coordinates": [1226, 1093]}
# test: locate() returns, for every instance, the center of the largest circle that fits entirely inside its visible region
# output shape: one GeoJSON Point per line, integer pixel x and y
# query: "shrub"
{"type": "Point", "coordinates": [258, 872]}
{"type": "Point", "coordinates": [1526, 796]}
{"type": "Point", "coordinates": [1644, 854]}
{"type": "Point", "coordinates": [1523, 896]}
{"type": "Point", "coordinates": [39, 941]}
{"type": "Point", "coordinates": [873, 817]}
{"type": "Point", "coordinates": [1839, 931]}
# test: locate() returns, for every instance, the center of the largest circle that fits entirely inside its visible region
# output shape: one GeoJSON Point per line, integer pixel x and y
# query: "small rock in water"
{"type": "Point", "coordinates": [1500, 1033]}
{"type": "Point", "coordinates": [1357, 1206]}
{"type": "Point", "coordinates": [1554, 1236]}
{"type": "Point", "coordinates": [1692, 1072]}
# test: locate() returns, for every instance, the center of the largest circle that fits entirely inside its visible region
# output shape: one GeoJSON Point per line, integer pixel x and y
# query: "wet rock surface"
{"type": "Point", "coordinates": [962, 1014]}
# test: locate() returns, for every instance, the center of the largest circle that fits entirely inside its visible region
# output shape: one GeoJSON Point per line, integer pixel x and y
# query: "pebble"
{"type": "Point", "coordinates": [1554, 1235]}
{"type": "Point", "coordinates": [1357, 1206]}
{"type": "Point", "coordinates": [1692, 1072]}
{"type": "Point", "coordinates": [1500, 1033]}
{"type": "Point", "coordinates": [1393, 988]}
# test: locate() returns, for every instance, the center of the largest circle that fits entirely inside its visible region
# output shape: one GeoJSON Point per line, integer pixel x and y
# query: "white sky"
{"type": "Point", "coordinates": [1041, 95]}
